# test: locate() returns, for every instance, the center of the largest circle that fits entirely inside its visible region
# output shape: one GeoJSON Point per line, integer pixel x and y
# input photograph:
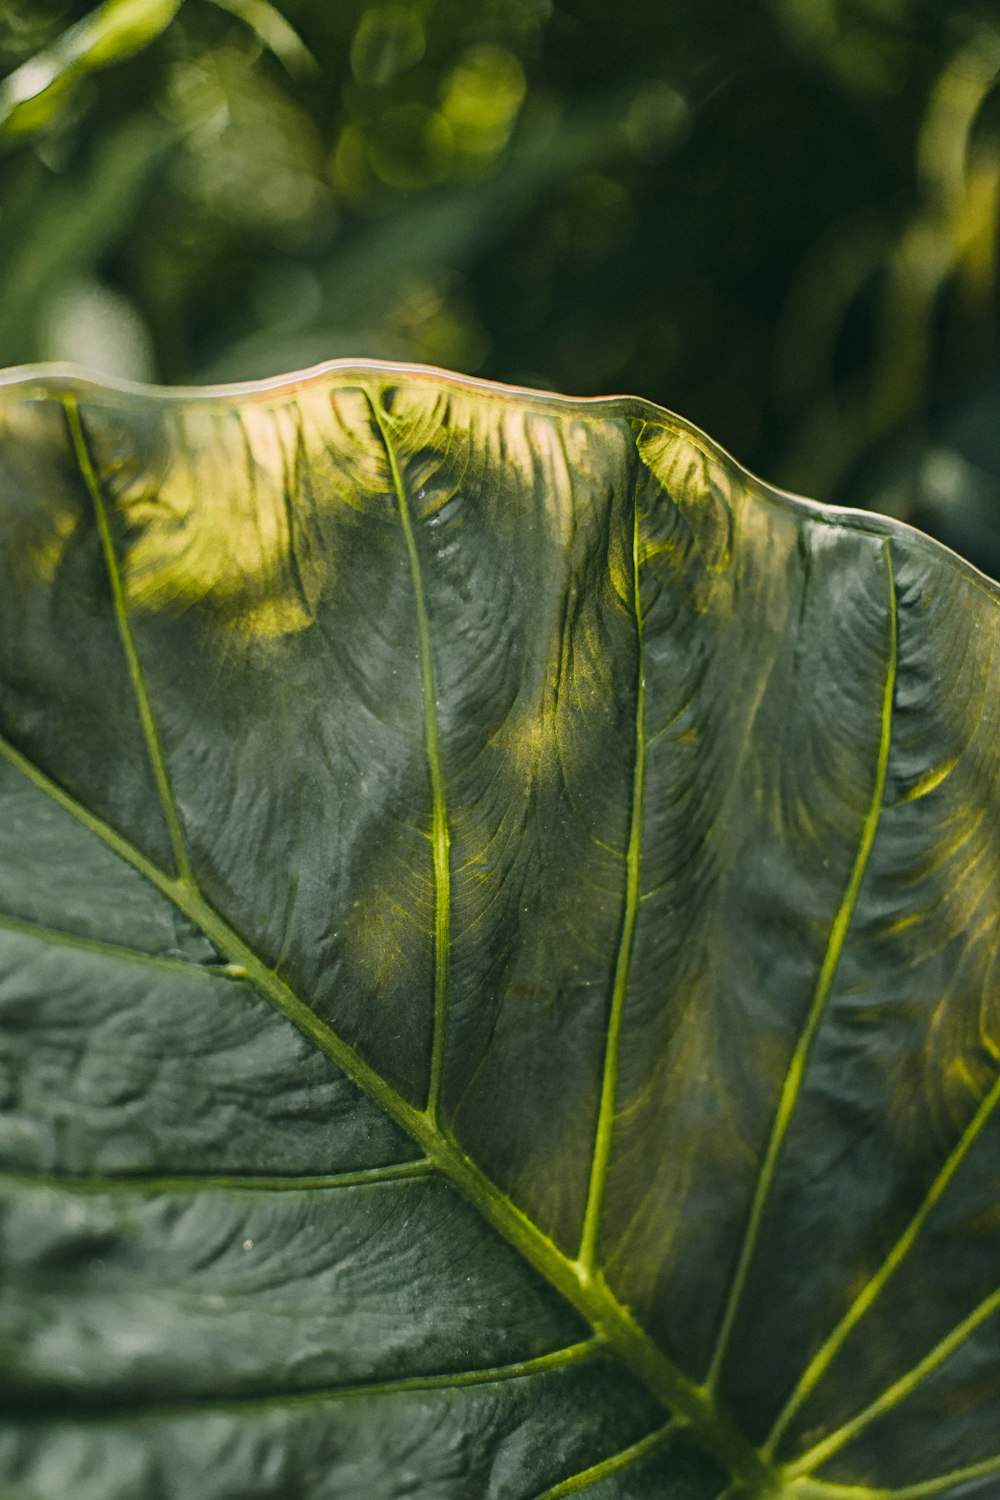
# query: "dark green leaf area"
{"type": "Point", "coordinates": [929, 1344]}
{"type": "Point", "coordinates": [746, 855]}
{"type": "Point", "coordinates": [668, 1464]}
{"type": "Point", "coordinates": [241, 615]}
{"type": "Point", "coordinates": [73, 709]}
{"type": "Point", "coordinates": [129, 1295]}
{"type": "Point", "coordinates": [117, 1062]}
{"type": "Point", "coordinates": [946, 1426]}
{"type": "Point", "coordinates": [239, 610]}
{"type": "Point", "coordinates": [276, 630]}
{"type": "Point", "coordinates": [523, 524]}
{"type": "Point", "coordinates": [890, 1165]}
{"type": "Point", "coordinates": [514, 1437]}
{"type": "Point", "coordinates": [55, 874]}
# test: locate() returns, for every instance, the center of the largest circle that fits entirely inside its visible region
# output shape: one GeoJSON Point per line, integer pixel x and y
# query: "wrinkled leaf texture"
{"type": "Point", "coordinates": [499, 959]}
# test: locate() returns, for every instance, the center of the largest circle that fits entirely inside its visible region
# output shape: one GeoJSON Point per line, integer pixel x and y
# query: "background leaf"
{"type": "Point", "coordinates": [780, 220]}
{"type": "Point", "coordinates": [114, 31]}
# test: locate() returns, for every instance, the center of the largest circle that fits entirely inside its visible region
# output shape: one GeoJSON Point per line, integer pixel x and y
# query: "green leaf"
{"type": "Point", "coordinates": [274, 31]}
{"type": "Point", "coordinates": [61, 230]}
{"type": "Point", "coordinates": [498, 959]}
{"type": "Point", "coordinates": [116, 30]}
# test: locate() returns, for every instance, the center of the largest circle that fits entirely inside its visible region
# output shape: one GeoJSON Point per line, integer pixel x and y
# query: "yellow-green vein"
{"type": "Point", "coordinates": [587, 1254]}
{"type": "Point", "coordinates": [57, 938]}
{"type": "Point", "coordinates": [923, 1489]}
{"type": "Point", "coordinates": [153, 747]}
{"type": "Point", "coordinates": [895, 1393]}
{"type": "Point", "coordinates": [589, 1295]}
{"type": "Point", "coordinates": [874, 1287]}
{"type": "Point", "coordinates": [440, 836]}
{"type": "Point", "coordinates": [795, 1075]}
{"type": "Point", "coordinates": [216, 1182]}
{"type": "Point", "coordinates": [457, 1380]}
{"type": "Point", "coordinates": [608, 1466]}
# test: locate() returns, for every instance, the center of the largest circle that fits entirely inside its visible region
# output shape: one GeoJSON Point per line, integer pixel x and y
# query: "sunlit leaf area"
{"type": "Point", "coordinates": [779, 218]}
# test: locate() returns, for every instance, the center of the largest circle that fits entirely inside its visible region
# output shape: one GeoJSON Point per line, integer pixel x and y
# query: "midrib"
{"type": "Point", "coordinates": [590, 1295]}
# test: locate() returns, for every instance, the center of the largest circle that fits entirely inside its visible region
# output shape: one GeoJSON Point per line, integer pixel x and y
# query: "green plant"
{"type": "Point", "coordinates": [498, 958]}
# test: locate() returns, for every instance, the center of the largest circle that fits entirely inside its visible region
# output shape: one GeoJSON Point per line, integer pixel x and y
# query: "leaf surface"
{"type": "Point", "coordinates": [498, 939]}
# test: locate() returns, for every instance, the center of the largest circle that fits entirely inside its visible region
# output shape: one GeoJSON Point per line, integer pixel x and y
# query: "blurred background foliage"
{"type": "Point", "coordinates": [778, 217]}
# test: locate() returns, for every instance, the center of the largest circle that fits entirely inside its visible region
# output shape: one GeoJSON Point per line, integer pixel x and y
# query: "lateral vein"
{"type": "Point", "coordinates": [896, 1392]}
{"type": "Point", "coordinates": [613, 1465]}
{"type": "Point", "coordinates": [923, 1489]}
{"type": "Point", "coordinates": [440, 835]}
{"type": "Point", "coordinates": [135, 1185]}
{"type": "Point", "coordinates": [874, 1287]}
{"type": "Point", "coordinates": [587, 1255]}
{"type": "Point", "coordinates": [154, 748]}
{"type": "Point", "coordinates": [795, 1075]}
{"type": "Point", "coordinates": [495, 1375]}
{"type": "Point", "coordinates": [57, 937]}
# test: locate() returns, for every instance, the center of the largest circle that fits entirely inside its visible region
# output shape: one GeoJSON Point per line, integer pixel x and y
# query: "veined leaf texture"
{"type": "Point", "coordinates": [498, 955]}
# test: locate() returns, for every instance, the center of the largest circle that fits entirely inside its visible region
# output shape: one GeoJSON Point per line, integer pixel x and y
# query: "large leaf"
{"type": "Point", "coordinates": [499, 953]}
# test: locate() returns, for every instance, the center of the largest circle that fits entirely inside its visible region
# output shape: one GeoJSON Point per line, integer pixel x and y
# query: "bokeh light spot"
{"type": "Point", "coordinates": [412, 147]}
{"type": "Point", "coordinates": [389, 39]}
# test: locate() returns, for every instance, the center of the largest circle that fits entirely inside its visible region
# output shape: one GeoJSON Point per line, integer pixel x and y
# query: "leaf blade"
{"type": "Point", "coordinates": [630, 523]}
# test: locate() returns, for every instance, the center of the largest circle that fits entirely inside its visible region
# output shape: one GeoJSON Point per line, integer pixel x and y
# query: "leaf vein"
{"type": "Point", "coordinates": [440, 836]}
{"type": "Point", "coordinates": [587, 1253]}
{"type": "Point", "coordinates": [923, 1489]}
{"type": "Point", "coordinates": [795, 1075]}
{"type": "Point", "coordinates": [873, 1288]}
{"type": "Point", "coordinates": [129, 1183]}
{"type": "Point", "coordinates": [154, 748]}
{"type": "Point", "coordinates": [457, 1380]}
{"type": "Point", "coordinates": [59, 938]}
{"type": "Point", "coordinates": [633, 1454]}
